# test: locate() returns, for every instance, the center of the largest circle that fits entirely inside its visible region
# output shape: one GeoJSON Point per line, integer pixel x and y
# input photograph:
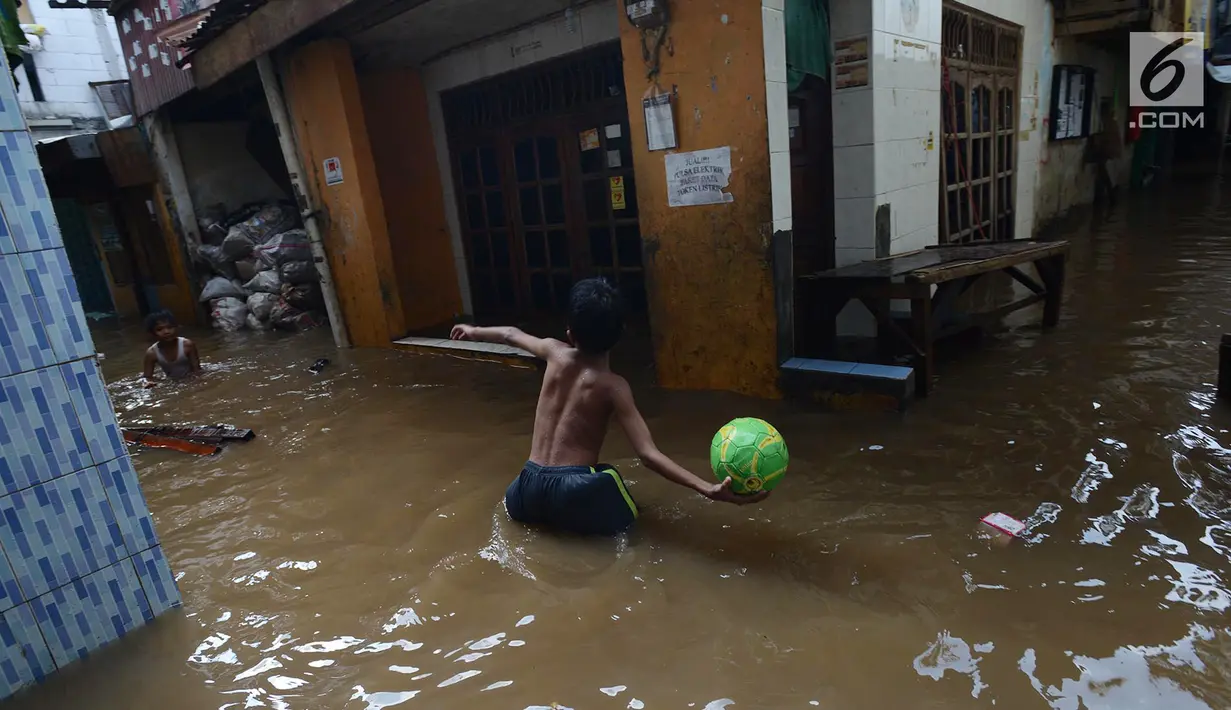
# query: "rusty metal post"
{"type": "Point", "coordinates": [303, 196]}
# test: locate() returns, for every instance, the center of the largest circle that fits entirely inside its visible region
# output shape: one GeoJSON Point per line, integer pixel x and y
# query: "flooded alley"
{"type": "Point", "coordinates": [357, 555]}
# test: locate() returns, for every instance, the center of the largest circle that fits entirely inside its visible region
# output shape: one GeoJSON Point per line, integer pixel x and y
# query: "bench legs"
{"type": "Point", "coordinates": [1051, 270]}
{"type": "Point", "coordinates": [922, 324]}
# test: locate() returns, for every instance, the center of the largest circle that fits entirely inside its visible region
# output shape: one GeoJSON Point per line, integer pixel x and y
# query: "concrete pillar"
{"type": "Point", "coordinates": [171, 169]}
{"type": "Point", "coordinates": [414, 197]}
{"type": "Point", "coordinates": [709, 269]}
{"type": "Point", "coordinates": [323, 95]}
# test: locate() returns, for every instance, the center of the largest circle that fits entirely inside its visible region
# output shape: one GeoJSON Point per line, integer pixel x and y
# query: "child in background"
{"type": "Point", "coordinates": [563, 485]}
{"type": "Point", "coordinates": [177, 356]}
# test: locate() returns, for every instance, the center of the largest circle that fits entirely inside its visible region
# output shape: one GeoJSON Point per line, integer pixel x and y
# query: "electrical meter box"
{"type": "Point", "coordinates": [646, 14]}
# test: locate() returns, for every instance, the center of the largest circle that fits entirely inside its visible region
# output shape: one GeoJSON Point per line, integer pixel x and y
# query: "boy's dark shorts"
{"type": "Point", "coordinates": [579, 499]}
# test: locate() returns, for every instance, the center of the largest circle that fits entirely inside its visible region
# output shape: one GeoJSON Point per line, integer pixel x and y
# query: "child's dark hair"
{"type": "Point", "coordinates": [153, 319]}
{"type": "Point", "coordinates": [595, 315]}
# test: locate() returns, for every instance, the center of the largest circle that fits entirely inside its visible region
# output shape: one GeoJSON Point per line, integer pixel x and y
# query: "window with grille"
{"type": "Point", "coordinates": [979, 98]}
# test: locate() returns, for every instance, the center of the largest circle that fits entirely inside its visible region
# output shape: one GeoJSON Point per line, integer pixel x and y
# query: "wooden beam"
{"type": "Point", "coordinates": [261, 32]}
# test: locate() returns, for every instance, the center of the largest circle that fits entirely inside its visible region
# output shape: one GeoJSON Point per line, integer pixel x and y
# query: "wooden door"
{"type": "Point", "coordinates": [608, 213]}
{"type": "Point", "coordinates": [543, 234]}
{"type": "Point", "coordinates": [486, 226]}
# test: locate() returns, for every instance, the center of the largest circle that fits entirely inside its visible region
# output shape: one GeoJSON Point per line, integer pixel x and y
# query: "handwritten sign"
{"type": "Point", "coordinates": [698, 178]}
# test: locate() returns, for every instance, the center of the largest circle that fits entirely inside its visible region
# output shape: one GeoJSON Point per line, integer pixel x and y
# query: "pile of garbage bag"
{"type": "Point", "coordinates": [259, 270]}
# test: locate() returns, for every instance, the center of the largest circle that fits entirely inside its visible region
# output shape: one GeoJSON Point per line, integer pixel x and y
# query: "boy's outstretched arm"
{"type": "Point", "coordinates": [507, 335]}
{"type": "Point", "coordinates": [639, 435]}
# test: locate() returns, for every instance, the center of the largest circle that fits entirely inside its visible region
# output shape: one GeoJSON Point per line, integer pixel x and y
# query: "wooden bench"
{"type": "Point", "coordinates": [932, 280]}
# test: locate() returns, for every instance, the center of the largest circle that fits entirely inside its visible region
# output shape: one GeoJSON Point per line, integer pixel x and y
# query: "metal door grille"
{"type": "Point", "coordinates": [979, 95]}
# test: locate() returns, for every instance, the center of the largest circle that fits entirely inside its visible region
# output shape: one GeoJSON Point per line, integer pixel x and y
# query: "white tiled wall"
{"type": "Point", "coordinates": [773, 32]}
{"type": "Point", "coordinates": [80, 46]}
{"type": "Point", "coordinates": [885, 134]}
{"type": "Point", "coordinates": [594, 24]}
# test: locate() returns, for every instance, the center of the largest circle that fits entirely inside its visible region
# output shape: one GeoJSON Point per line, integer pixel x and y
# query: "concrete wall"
{"type": "Point", "coordinates": [81, 564]}
{"type": "Point", "coordinates": [323, 97]}
{"type": "Point", "coordinates": [80, 46]}
{"type": "Point", "coordinates": [1063, 180]}
{"type": "Point", "coordinates": [399, 127]}
{"type": "Point", "coordinates": [219, 167]}
{"type": "Point", "coordinates": [1051, 176]}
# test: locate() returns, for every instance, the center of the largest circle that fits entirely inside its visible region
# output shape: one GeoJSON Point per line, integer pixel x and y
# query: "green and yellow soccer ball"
{"type": "Point", "coordinates": [752, 453]}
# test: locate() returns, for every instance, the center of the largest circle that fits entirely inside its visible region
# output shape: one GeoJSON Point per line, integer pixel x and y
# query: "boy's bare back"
{"type": "Point", "coordinates": [575, 407]}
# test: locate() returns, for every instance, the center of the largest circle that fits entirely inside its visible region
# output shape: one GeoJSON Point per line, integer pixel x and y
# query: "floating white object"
{"type": "Point", "coordinates": [1006, 524]}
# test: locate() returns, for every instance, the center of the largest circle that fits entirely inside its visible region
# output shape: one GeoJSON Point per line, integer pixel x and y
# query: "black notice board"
{"type": "Point", "coordinates": [1072, 101]}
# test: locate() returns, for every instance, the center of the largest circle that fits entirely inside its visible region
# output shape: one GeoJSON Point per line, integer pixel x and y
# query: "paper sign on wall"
{"type": "Point", "coordinates": [698, 178]}
{"type": "Point", "coordinates": [589, 139]}
{"type": "Point", "coordinates": [659, 122]}
{"type": "Point", "coordinates": [851, 62]}
{"type": "Point", "coordinates": [617, 193]}
{"type": "Point", "coordinates": [333, 171]}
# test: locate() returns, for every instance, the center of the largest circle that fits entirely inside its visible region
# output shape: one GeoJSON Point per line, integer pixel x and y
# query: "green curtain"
{"type": "Point", "coordinates": [808, 47]}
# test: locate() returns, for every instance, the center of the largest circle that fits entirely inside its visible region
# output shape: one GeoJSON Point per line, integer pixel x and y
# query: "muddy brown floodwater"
{"type": "Point", "coordinates": [357, 554]}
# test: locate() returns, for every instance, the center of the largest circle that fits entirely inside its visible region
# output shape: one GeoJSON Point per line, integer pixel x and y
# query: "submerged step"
{"type": "Point", "coordinates": [490, 352]}
{"type": "Point", "coordinates": [843, 385]}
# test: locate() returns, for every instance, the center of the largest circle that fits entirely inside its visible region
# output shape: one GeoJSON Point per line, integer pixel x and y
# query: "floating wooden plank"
{"type": "Point", "coordinates": [216, 434]}
{"type": "Point", "coordinates": [166, 442]}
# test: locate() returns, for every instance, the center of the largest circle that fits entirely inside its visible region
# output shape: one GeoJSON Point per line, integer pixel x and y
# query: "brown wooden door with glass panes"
{"type": "Point", "coordinates": [543, 220]}
{"type": "Point", "coordinates": [489, 241]}
{"type": "Point", "coordinates": [609, 196]}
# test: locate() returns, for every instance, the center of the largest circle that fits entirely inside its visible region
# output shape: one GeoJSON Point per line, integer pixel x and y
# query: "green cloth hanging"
{"type": "Point", "coordinates": [808, 46]}
{"type": "Point", "coordinates": [10, 33]}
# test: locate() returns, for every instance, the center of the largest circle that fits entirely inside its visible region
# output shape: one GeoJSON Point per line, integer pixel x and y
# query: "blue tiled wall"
{"type": "Point", "coordinates": [80, 565]}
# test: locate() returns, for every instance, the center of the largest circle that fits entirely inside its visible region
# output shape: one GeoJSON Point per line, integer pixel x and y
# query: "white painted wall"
{"type": "Point", "coordinates": [881, 131]}
{"type": "Point", "coordinates": [588, 26]}
{"type": "Point", "coordinates": [80, 46]}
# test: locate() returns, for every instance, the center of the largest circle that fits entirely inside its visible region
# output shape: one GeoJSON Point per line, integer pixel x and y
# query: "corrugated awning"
{"type": "Point", "coordinates": [224, 15]}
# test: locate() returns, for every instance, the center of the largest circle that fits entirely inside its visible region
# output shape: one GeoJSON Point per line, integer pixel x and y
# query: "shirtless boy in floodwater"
{"type": "Point", "coordinates": [563, 485]}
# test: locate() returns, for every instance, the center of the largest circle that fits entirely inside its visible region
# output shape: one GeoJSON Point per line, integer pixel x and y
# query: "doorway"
{"type": "Point", "coordinates": [544, 178]}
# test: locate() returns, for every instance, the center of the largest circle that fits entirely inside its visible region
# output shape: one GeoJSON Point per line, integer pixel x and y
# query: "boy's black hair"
{"type": "Point", "coordinates": [153, 319]}
{"type": "Point", "coordinates": [595, 315]}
